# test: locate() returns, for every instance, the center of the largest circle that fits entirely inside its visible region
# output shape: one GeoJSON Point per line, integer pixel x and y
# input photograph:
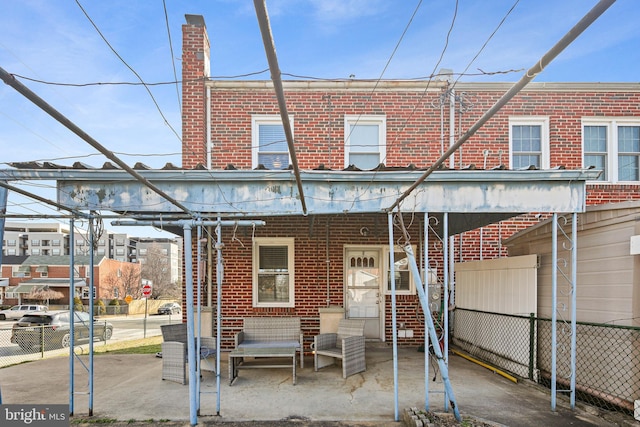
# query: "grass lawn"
{"type": "Point", "coordinates": [150, 345]}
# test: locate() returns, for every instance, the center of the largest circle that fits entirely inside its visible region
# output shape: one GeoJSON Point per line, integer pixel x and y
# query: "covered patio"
{"type": "Point", "coordinates": [186, 200]}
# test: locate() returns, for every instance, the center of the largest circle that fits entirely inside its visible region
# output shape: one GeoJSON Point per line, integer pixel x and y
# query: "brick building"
{"type": "Point", "coordinates": [352, 126]}
{"type": "Point", "coordinates": [24, 275]}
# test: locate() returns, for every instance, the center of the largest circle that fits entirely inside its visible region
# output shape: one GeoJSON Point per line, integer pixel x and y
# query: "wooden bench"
{"type": "Point", "coordinates": [271, 332]}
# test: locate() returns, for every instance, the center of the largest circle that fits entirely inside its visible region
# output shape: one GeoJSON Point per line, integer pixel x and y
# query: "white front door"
{"type": "Point", "coordinates": [364, 298]}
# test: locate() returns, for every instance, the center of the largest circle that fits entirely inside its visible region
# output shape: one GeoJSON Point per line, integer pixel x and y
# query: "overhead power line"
{"type": "Point", "coordinates": [25, 91]}
{"type": "Point", "coordinates": [130, 68]}
{"type": "Point", "coordinates": [41, 199]}
{"type": "Point", "coordinates": [568, 38]}
{"type": "Point", "coordinates": [173, 61]}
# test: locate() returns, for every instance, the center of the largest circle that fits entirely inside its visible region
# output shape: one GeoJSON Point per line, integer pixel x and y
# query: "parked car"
{"type": "Point", "coordinates": [52, 329]}
{"type": "Point", "coordinates": [170, 308]}
{"type": "Point", "coordinates": [17, 311]}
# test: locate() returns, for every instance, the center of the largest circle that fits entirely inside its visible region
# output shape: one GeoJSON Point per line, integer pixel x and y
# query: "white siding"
{"type": "Point", "coordinates": [503, 285]}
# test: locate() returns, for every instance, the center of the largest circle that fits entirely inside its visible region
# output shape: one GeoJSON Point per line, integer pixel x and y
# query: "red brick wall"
{"type": "Point", "coordinates": [413, 137]}
{"type": "Point", "coordinates": [195, 50]}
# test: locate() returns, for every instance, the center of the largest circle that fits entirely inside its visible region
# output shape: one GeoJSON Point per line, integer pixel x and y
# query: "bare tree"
{"type": "Point", "coordinates": [157, 269]}
{"type": "Point", "coordinates": [130, 278]}
{"type": "Point", "coordinates": [124, 281]}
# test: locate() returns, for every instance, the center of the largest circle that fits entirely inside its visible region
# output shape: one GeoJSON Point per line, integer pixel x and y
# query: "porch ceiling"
{"type": "Point", "coordinates": [473, 198]}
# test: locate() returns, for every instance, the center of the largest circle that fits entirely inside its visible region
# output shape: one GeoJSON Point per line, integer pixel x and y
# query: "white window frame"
{"type": "Point", "coordinates": [85, 292]}
{"type": "Point", "coordinates": [543, 122]}
{"type": "Point", "coordinates": [265, 119]}
{"type": "Point", "coordinates": [270, 241]}
{"type": "Point", "coordinates": [365, 119]}
{"type": "Point", "coordinates": [611, 124]}
{"type": "Point", "coordinates": [387, 267]}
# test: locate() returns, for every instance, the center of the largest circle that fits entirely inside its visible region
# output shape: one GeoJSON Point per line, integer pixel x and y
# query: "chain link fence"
{"type": "Point", "coordinates": [607, 363]}
{"type": "Point", "coordinates": [38, 342]}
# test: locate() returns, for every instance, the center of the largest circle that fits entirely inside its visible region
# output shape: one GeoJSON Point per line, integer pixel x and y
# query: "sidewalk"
{"type": "Point", "coordinates": [129, 387]}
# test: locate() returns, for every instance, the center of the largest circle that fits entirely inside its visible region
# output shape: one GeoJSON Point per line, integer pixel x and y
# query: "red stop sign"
{"type": "Point", "coordinates": [146, 290]}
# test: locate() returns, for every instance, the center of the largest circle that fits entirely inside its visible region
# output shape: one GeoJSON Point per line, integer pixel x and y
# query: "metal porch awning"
{"type": "Point", "coordinates": [474, 198]}
{"type": "Point", "coordinates": [24, 289]}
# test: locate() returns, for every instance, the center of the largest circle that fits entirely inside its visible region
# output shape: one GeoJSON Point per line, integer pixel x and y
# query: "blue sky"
{"type": "Point", "coordinates": [53, 41]}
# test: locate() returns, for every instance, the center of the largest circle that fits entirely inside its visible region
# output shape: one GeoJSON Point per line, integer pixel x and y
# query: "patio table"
{"type": "Point", "coordinates": [237, 359]}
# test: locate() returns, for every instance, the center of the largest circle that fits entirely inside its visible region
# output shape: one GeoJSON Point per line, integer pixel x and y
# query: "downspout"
{"type": "Point", "coordinates": [452, 125]}
{"type": "Point", "coordinates": [328, 262]}
{"type": "Point", "coordinates": [209, 268]}
{"type": "Point", "coordinates": [207, 109]}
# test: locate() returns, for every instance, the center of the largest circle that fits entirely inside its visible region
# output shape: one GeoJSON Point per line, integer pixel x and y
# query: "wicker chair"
{"type": "Point", "coordinates": [347, 344]}
{"type": "Point", "coordinates": [174, 352]}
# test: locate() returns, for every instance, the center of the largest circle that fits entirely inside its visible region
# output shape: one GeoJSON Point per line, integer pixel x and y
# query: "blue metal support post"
{"type": "Point", "coordinates": [72, 288]}
{"type": "Point", "coordinates": [188, 256]}
{"type": "Point", "coordinates": [393, 315]}
{"type": "Point", "coordinates": [91, 311]}
{"type": "Point", "coordinates": [444, 371]}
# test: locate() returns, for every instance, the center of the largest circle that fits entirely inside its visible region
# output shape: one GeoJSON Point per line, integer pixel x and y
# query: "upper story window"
{"type": "Point", "coordinates": [365, 141]}
{"type": "Point", "coordinates": [612, 146]}
{"type": "Point", "coordinates": [11, 242]}
{"type": "Point", "coordinates": [55, 242]}
{"type": "Point", "coordinates": [35, 242]}
{"type": "Point", "coordinates": [269, 143]}
{"type": "Point", "coordinates": [273, 272]}
{"type": "Point", "coordinates": [529, 142]}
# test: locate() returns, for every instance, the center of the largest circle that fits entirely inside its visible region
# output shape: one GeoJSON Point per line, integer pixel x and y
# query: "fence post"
{"type": "Point", "coordinates": [42, 341]}
{"type": "Point", "coordinates": [532, 329]}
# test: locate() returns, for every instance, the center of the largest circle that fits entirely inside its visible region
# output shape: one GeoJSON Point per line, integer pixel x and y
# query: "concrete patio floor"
{"type": "Point", "coordinates": [129, 387]}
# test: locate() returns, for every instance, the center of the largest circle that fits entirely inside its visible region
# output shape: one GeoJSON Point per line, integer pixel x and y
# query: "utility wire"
{"type": "Point", "coordinates": [173, 62]}
{"type": "Point", "coordinates": [82, 134]}
{"type": "Point", "coordinates": [130, 68]}
{"type": "Point", "coordinates": [42, 199]}
{"type": "Point", "coordinates": [565, 41]}
{"type": "Point", "coordinates": [487, 41]}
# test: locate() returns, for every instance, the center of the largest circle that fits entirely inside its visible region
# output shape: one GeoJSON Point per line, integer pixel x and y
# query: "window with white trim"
{"type": "Point", "coordinates": [612, 145]}
{"type": "Point", "coordinates": [405, 285]}
{"type": "Point", "coordinates": [365, 140]}
{"type": "Point", "coordinates": [85, 292]}
{"type": "Point", "coordinates": [273, 272]}
{"type": "Point", "coordinates": [269, 146]}
{"type": "Point", "coordinates": [529, 142]}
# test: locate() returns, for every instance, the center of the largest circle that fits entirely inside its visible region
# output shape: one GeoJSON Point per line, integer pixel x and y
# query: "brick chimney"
{"type": "Point", "coordinates": [195, 70]}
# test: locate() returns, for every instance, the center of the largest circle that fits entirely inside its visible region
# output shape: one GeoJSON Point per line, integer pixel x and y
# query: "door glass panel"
{"type": "Point", "coordinates": [363, 278]}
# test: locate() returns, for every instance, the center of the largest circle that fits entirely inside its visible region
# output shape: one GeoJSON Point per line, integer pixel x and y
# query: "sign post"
{"type": "Point", "coordinates": [147, 289]}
